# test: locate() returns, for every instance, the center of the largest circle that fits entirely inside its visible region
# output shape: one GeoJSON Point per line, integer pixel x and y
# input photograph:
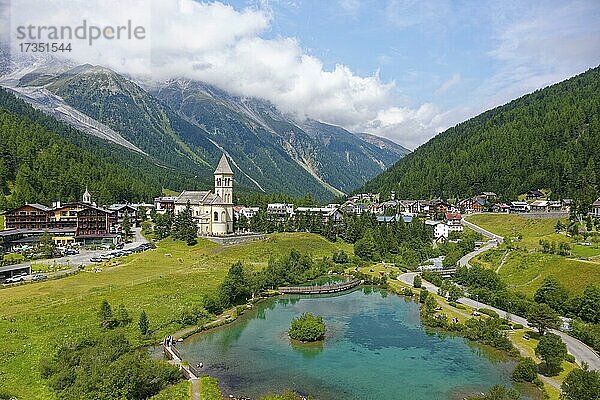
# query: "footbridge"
{"type": "Point", "coordinates": [324, 289]}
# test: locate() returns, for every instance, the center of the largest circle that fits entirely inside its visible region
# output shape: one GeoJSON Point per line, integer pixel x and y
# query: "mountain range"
{"type": "Point", "coordinates": [185, 125]}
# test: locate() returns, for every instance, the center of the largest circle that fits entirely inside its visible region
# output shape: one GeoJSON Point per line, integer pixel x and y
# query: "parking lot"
{"type": "Point", "coordinates": [84, 258]}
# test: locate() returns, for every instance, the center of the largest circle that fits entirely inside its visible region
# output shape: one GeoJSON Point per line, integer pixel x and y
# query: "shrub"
{"type": "Point", "coordinates": [525, 371]}
{"type": "Point", "coordinates": [407, 292]}
{"type": "Point", "coordinates": [489, 312]}
{"type": "Point", "coordinates": [457, 305]}
{"type": "Point", "coordinates": [307, 328]}
{"type": "Point", "coordinates": [417, 281]}
{"type": "Point", "coordinates": [517, 326]}
{"type": "Point", "coordinates": [423, 296]}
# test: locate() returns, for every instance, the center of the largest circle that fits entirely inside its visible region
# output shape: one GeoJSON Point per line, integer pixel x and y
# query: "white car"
{"type": "Point", "coordinates": [15, 279]}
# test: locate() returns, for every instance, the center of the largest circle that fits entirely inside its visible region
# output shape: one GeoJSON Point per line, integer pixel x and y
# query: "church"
{"type": "Point", "coordinates": [213, 212]}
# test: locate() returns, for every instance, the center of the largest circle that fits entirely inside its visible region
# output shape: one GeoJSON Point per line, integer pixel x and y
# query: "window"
{"type": "Point", "coordinates": [216, 216]}
{"type": "Point", "coordinates": [223, 216]}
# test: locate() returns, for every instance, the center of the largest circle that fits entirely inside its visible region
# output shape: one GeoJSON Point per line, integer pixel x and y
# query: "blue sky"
{"type": "Point", "coordinates": [401, 69]}
{"type": "Point", "coordinates": [457, 55]}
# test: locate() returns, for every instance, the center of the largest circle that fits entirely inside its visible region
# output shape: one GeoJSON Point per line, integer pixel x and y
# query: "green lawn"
{"type": "Point", "coordinates": [1, 222]}
{"type": "Point", "coordinates": [525, 269]}
{"type": "Point", "coordinates": [585, 251]}
{"type": "Point", "coordinates": [36, 318]}
{"type": "Point", "coordinates": [510, 225]}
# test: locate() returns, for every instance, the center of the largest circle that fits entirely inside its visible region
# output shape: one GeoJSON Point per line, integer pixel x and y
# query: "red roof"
{"type": "Point", "coordinates": [452, 216]}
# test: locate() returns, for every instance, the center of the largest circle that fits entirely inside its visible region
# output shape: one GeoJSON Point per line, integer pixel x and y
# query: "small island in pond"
{"type": "Point", "coordinates": [307, 328]}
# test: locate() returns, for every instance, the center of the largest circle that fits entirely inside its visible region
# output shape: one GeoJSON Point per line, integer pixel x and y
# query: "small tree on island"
{"type": "Point", "coordinates": [307, 328]}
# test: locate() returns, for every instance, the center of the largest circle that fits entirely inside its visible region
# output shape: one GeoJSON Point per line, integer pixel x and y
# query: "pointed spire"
{"type": "Point", "coordinates": [223, 166]}
{"type": "Point", "coordinates": [87, 197]}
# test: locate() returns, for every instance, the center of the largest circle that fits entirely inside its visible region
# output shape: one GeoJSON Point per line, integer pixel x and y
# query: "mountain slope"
{"type": "Point", "coordinates": [330, 154]}
{"type": "Point", "coordinates": [42, 160]}
{"type": "Point", "coordinates": [547, 139]}
{"type": "Point", "coordinates": [186, 125]}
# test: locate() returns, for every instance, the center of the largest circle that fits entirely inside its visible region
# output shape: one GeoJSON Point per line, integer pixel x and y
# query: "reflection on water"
{"type": "Point", "coordinates": [375, 348]}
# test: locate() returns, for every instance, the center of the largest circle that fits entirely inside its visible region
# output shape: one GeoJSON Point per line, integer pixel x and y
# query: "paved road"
{"type": "Point", "coordinates": [83, 258]}
{"type": "Point", "coordinates": [464, 261]}
{"type": "Point", "coordinates": [484, 232]}
{"type": "Point", "coordinates": [579, 350]}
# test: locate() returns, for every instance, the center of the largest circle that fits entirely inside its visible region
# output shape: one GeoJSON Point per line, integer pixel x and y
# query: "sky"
{"type": "Point", "coordinates": [401, 69]}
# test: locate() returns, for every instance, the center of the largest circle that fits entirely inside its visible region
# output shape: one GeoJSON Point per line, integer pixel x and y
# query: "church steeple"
{"type": "Point", "coordinates": [224, 180]}
{"type": "Point", "coordinates": [87, 197]}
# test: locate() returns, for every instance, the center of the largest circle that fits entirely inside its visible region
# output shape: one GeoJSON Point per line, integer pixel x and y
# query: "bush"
{"type": "Point", "coordinates": [489, 312]}
{"type": "Point", "coordinates": [118, 370]}
{"type": "Point", "coordinates": [457, 305]}
{"type": "Point", "coordinates": [525, 371]}
{"type": "Point", "coordinates": [517, 326]}
{"type": "Point", "coordinates": [407, 292]}
{"type": "Point", "coordinates": [417, 281]}
{"type": "Point", "coordinates": [307, 328]}
{"type": "Point", "coordinates": [423, 296]}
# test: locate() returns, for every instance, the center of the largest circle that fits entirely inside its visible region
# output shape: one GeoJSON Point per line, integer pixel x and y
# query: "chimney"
{"type": "Point", "coordinates": [56, 204]}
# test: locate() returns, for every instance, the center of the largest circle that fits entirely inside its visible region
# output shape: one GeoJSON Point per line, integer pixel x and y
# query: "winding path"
{"type": "Point", "coordinates": [579, 350]}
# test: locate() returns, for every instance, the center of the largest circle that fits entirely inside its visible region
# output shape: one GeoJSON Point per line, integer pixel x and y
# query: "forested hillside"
{"type": "Point", "coordinates": [42, 160]}
{"type": "Point", "coordinates": [547, 139]}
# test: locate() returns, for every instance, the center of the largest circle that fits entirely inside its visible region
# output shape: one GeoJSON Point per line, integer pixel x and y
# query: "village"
{"type": "Point", "coordinates": [85, 224]}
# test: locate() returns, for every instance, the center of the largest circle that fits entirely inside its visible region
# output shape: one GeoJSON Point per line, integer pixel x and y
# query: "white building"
{"type": "Point", "coordinates": [595, 209]}
{"type": "Point", "coordinates": [213, 212]}
{"type": "Point", "coordinates": [280, 211]}
{"type": "Point", "coordinates": [248, 212]}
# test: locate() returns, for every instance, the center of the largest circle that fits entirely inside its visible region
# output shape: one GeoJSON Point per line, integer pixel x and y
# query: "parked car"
{"type": "Point", "coordinates": [15, 279]}
{"type": "Point", "coordinates": [71, 252]}
{"type": "Point", "coordinates": [38, 277]}
{"type": "Point", "coordinates": [96, 259]}
{"type": "Point", "coordinates": [119, 246]}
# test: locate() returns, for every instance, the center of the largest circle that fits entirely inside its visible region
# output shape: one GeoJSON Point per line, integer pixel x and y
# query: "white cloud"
{"type": "Point", "coordinates": [450, 83]}
{"type": "Point", "coordinates": [229, 48]}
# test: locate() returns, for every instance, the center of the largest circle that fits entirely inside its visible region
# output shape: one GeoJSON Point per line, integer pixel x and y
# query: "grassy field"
{"type": "Point", "coordinates": [511, 226]}
{"type": "Point", "coordinates": [1, 222]}
{"type": "Point", "coordinates": [36, 318]}
{"type": "Point", "coordinates": [525, 269]}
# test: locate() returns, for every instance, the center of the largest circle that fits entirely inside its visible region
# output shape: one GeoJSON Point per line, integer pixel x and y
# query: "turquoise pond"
{"type": "Point", "coordinates": [375, 348]}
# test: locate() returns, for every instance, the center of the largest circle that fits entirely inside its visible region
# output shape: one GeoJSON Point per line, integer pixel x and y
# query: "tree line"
{"type": "Point", "coordinates": [547, 139]}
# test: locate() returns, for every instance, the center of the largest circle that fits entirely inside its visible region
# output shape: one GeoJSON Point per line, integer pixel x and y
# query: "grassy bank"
{"type": "Point", "coordinates": [36, 318]}
{"type": "Point", "coordinates": [1, 222]}
{"type": "Point", "coordinates": [511, 226]}
{"type": "Point", "coordinates": [525, 268]}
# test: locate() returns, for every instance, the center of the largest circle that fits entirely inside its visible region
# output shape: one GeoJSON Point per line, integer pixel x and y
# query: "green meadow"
{"type": "Point", "coordinates": [525, 268]}
{"type": "Point", "coordinates": [36, 318]}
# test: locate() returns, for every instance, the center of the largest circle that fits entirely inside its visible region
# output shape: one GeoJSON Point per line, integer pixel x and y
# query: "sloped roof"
{"type": "Point", "coordinates": [194, 197]}
{"type": "Point", "coordinates": [223, 166]}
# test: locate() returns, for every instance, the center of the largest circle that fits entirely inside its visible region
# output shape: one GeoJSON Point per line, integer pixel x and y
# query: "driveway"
{"type": "Point", "coordinates": [83, 258]}
{"type": "Point", "coordinates": [579, 350]}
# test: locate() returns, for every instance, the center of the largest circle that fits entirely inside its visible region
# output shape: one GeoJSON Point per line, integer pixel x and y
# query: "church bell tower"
{"type": "Point", "coordinates": [224, 181]}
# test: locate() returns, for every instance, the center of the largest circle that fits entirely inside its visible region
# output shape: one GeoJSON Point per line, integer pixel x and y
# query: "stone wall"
{"type": "Point", "coordinates": [236, 239]}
